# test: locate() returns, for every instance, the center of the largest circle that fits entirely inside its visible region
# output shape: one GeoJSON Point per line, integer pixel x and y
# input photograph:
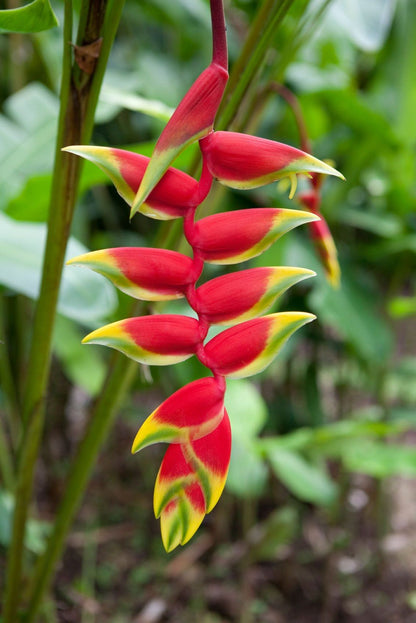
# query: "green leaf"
{"type": "Point", "coordinates": [307, 481]}
{"type": "Point", "coordinates": [248, 413]}
{"type": "Point", "coordinates": [247, 475]}
{"type": "Point", "coordinates": [358, 114]}
{"type": "Point", "coordinates": [83, 366]}
{"type": "Point", "coordinates": [36, 531]}
{"type": "Point", "coordinates": [366, 24]}
{"type": "Point", "coordinates": [380, 459]}
{"type": "Point", "coordinates": [271, 535]}
{"type": "Point", "coordinates": [246, 408]}
{"type": "Point", "coordinates": [84, 295]}
{"type": "Point", "coordinates": [136, 103]}
{"type": "Point", "coordinates": [402, 306]}
{"type": "Point", "coordinates": [33, 17]}
{"type": "Point", "coordinates": [27, 138]}
{"type": "Point", "coordinates": [384, 224]}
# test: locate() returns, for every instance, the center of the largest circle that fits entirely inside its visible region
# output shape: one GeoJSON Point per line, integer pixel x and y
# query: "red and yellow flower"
{"type": "Point", "coordinates": [193, 420]}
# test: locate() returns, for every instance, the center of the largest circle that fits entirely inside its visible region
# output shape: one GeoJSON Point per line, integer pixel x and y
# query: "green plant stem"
{"type": "Point", "coordinates": [6, 461]}
{"type": "Point", "coordinates": [6, 377]}
{"type": "Point", "coordinates": [258, 25]}
{"type": "Point", "coordinates": [252, 57]}
{"type": "Point", "coordinates": [305, 29]}
{"type": "Point", "coordinates": [115, 388]}
{"type": "Point", "coordinates": [79, 96]}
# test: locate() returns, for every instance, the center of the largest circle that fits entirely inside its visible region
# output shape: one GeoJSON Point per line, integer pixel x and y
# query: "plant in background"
{"type": "Point", "coordinates": [311, 198]}
{"type": "Point", "coordinates": [193, 421]}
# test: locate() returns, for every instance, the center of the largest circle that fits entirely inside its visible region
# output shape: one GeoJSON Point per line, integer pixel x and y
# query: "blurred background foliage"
{"type": "Point", "coordinates": [318, 435]}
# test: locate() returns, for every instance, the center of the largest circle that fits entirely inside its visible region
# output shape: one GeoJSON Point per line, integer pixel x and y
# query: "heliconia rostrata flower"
{"type": "Point", "coordinates": [193, 421]}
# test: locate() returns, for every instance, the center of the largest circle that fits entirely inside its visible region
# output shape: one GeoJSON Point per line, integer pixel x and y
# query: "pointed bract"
{"type": "Point", "coordinates": [327, 250]}
{"type": "Point", "coordinates": [244, 161]}
{"type": "Point", "coordinates": [170, 198]}
{"type": "Point", "coordinates": [155, 340]}
{"type": "Point", "coordinates": [181, 518]}
{"type": "Point", "coordinates": [192, 119]}
{"type": "Point", "coordinates": [190, 482]}
{"type": "Point", "coordinates": [232, 237]}
{"type": "Point", "coordinates": [142, 272]}
{"type": "Point", "coordinates": [210, 457]}
{"type": "Point", "coordinates": [249, 347]}
{"type": "Point", "coordinates": [244, 295]}
{"type": "Point", "coordinates": [205, 461]}
{"type": "Point", "coordinates": [321, 234]}
{"type": "Point", "coordinates": [190, 413]}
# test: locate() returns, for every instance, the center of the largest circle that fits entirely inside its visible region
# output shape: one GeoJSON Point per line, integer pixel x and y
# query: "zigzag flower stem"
{"type": "Point", "coordinates": [193, 420]}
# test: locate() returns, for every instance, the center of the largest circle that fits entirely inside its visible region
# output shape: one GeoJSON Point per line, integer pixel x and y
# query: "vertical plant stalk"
{"type": "Point", "coordinates": [6, 379]}
{"type": "Point", "coordinates": [117, 384]}
{"type": "Point", "coordinates": [219, 38]}
{"type": "Point", "coordinates": [262, 31]}
{"type": "Point", "coordinates": [79, 96]}
{"type": "Point", "coordinates": [6, 462]}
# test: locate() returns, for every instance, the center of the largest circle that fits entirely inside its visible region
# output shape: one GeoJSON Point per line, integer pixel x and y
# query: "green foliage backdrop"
{"type": "Point", "coordinates": [341, 399]}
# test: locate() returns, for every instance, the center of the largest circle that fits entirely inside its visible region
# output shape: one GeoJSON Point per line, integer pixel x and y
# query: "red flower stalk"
{"type": "Point", "coordinates": [320, 232]}
{"type": "Point", "coordinates": [193, 421]}
{"type": "Point", "coordinates": [311, 199]}
{"type": "Point", "coordinates": [194, 117]}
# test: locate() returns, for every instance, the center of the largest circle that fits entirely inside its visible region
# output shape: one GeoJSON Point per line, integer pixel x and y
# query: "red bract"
{"type": "Point", "coordinates": [241, 235]}
{"type": "Point", "coordinates": [190, 413]}
{"type": "Point", "coordinates": [193, 420]}
{"type": "Point", "coordinates": [190, 482]}
{"type": "Point", "coordinates": [249, 347]}
{"type": "Point", "coordinates": [155, 340]}
{"type": "Point", "coordinates": [170, 198]}
{"type": "Point", "coordinates": [246, 294]}
{"type": "Point", "coordinates": [193, 119]}
{"type": "Point", "coordinates": [243, 161]}
{"type": "Point", "coordinates": [142, 272]}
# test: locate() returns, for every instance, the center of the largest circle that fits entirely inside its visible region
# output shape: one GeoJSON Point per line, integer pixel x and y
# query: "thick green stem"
{"type": "Point", "coordinates": [115, 388]}
{"type": "Point", "coordinates": [79, 96]}
{"type": "Point", "coordinates": [7, 382]}
{"type": "Point", "coordinates": [6, 461]}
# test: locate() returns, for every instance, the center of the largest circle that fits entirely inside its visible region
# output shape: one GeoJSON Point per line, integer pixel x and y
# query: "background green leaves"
{"type": "Point", "coordinates": [33, 17]}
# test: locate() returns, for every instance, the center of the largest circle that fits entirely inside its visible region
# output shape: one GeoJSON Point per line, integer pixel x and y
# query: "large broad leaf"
{"type": "Point", "coordinates": [247, 475]}
{"type": "Point", "coordinates": [33, 17]}
{"type": "Point", "coordinates": [248, 413]}
{"type": "Point", "coordinates": [366, 23]}
{"type": "Point", "coordinates": [84, 295]}
{"type": "Point", "coordinates": [119, 98]}
{"type": "Point", "coordinates": [29, 202]}
{"type": "Point", "coordinates": [27, 137]}
{"type": "Point", "coordinates": [308, 481]}
{"type": "Point", "coordinates": [379, 459]}
{"type": "Point", "coordinates": [246, 408]}
{"type": "Point", "coordinates": [83, 366]}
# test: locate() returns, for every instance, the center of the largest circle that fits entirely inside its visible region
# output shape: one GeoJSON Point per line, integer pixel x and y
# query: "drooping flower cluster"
{"type": "Point", "coordinates": [193, 421]}
{"type": "Point", "coordinates": [321, 234]}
